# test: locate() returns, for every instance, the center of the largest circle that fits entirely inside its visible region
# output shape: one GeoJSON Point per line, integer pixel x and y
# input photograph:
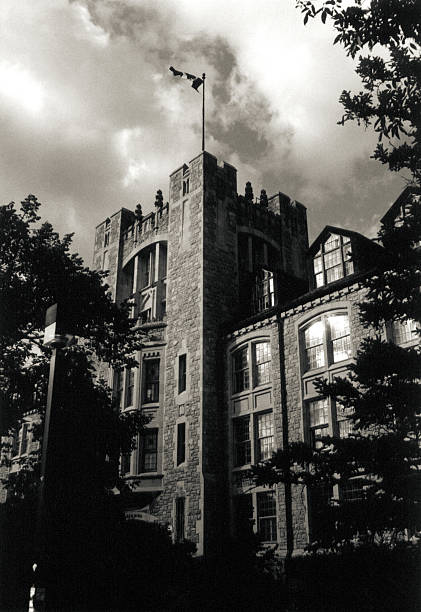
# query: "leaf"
{"type": "Point", "coordinates": [324, 17]}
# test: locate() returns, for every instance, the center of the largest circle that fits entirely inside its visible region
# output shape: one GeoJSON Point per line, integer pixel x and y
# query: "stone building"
{"type": "Point", "coordinates": [240, 316]}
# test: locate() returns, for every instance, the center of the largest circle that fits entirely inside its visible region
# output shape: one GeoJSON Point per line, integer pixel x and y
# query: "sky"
{"type": "Point", "coordinates": [91, 118]}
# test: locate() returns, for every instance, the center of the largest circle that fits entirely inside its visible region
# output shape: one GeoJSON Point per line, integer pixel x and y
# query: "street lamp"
{"type": "Point", "coordinates": [56, 338]}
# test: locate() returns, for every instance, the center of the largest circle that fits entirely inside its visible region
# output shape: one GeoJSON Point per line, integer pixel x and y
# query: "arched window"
{"type": "Point", "coordinates": [327, 340]}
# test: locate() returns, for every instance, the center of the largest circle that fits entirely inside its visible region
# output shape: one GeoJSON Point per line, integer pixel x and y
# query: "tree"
{"type": "Point", "coordinates": [36, 271]}
{"type": "Point", "coordinates": [391, 78]}
{"type": "Point", "coordinates": [382, 395]}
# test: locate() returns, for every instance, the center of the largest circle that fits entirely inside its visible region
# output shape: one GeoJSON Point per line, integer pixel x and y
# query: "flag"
{"type": "Point", "coordinates": [196, 81]}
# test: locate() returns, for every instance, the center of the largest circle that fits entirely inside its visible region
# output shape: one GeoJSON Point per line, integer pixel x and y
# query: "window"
{"type": "Point", "coordinates": [261, 371]}
{"type": "Point", "coordinates": [179, 519]}
{"type": "Point", "coordinates": [333, 260]}
{"type": "Point", "coordinates": [186, 186]}
{"type": "Point", "coordinates": [319, 420]}
{"type": "Point", "coordinates": [145, 316]}
{"type": "Point", "coordinates": [242, 441]}
{"type": "Point", "coordinates": [146, 262]}
{"type": "Point", "coordinates": [264, 431]}
{"type": "Point", "coordinates": [327, 340]}
{"type": "Point", "coordinates": [181, 443]}
{"type": "Point", "coordinates": [182, 373]}
{"type": "Point", "coordinates": [264, 290]}
{"type": "Point", "coordinates": [241, 369]}
{"type": "Point", "coordinates": [345, 425]}
{"type": "Point", "coordinates": [262, 363]}
{"type": "Point", "coordinates": [404, 331]}
{"type": "Point", "coordinates": [130, 378]}
{"type": "Point", "coordinates": [151, 381]}
{"type": "Point", "coordinates": [107, 238]}
{"type": "Point", "coordinates": [266, 516]}
{"type": "Point", "coordinates": [149, 451]}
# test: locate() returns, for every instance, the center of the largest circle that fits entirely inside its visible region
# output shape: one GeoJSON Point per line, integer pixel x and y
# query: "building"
{"type": "Point", "coordinates": [241, 316]}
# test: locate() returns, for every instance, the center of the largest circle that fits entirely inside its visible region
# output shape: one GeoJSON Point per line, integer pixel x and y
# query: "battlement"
{"type": "Point", "coordinates": [143, 230]}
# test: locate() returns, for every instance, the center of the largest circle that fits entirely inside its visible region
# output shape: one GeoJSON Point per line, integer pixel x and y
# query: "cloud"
{"type": "Point", "coordinates": [92, 119]}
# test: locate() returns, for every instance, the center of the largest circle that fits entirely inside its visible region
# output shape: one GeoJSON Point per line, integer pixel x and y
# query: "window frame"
{"type": "Point", "coordinates": [327, 341]}
{"type": "Point", "coordinates": [251, 368]}
{"type": "Point", "coordinates": [151, 432]}
{"type": "Point", "coordinates": [154, 382]}
{"type": "Point", "coordinates": [344, 261]}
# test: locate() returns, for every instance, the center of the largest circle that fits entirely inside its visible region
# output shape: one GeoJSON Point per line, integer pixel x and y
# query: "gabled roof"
{"type": "Point", "coordinates": [330, 229]}
{"type": "Point", "coordinates": [395, 210]}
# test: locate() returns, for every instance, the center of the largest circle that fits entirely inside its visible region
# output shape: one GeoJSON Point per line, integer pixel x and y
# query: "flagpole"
{"type": "Point", "coordinates": [203, 112]}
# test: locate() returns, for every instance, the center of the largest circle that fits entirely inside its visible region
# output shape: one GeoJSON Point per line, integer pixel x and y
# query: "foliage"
{"type": "Point", "coordinates": [87, 433]}
{"type": "Point", "coordinates": [36, 271]}
{"type": "Point", "coordinates": [391, 98]}
{"type": "Point", "coordinates": [368, 579]}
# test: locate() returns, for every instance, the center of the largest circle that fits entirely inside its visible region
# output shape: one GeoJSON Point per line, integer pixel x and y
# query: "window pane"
{"type": "Point", "coordinates": [319, 412]}
{"type": "Point", "coordinates": [340, 336]}
{"type": "Point", "coordinates": [349, 267]}
{"type": "Point", "coordinates": [332, 259]}
{"type": "Point", "coordinates": [265, 295]}
{"type": "Point", "coordinates": [266, 516]}
{"type": "Point", "coordinates": [403, 331]}
{"type": "Point", "coordinates": [242, 443]}
{"type": "Point", "coordinates": [314, 334]}
{"type": "Point", "coordinates": [241, 370]}
{"type": "Point", "coordinates": [317, 264]}
{"type": "Point", "coordinates": [334, 273]}
{"type": "Point", "coordinates": [149, 451]}
{"type": "Point", "coordinates": [130, 387]}
{"type": "Point", "coordinates": [331, 243]}
{"type": "Point", "coordinates": [262, 361]}
{"type": "Point", "coordinates": [181, 443]}
{"type": "Point", "coordinates": [345, 428]}
{"type": "Point", "coordinates": [182, 364]}
{"type": "Point", "coordinates": [313, 337]}
{"type": "Point", "coordinates": [264, 436]}
{"type": "Point", "coordinates": [151, 388]}
{"type": "Point", "coordinates": [319, 280]}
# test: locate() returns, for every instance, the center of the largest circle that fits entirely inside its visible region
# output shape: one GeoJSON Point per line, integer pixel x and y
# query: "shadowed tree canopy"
{"type": "Point", "coordinates": [37, 270]}
{"type": "Point", "coordinates": [386, 37]}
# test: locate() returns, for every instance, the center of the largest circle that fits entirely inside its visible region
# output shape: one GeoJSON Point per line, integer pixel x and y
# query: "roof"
{"type": "Point", "coordinates": [330, 229]}
{"type": "Point", "coordinates": [402, 199]}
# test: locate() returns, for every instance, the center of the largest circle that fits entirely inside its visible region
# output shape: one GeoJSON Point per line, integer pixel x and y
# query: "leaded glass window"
{"type": "Point", "coordinates": [333, 260]}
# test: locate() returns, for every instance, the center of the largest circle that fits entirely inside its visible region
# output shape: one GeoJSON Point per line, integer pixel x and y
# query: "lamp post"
{"type": "Point", "coordinates": [55, 338]}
